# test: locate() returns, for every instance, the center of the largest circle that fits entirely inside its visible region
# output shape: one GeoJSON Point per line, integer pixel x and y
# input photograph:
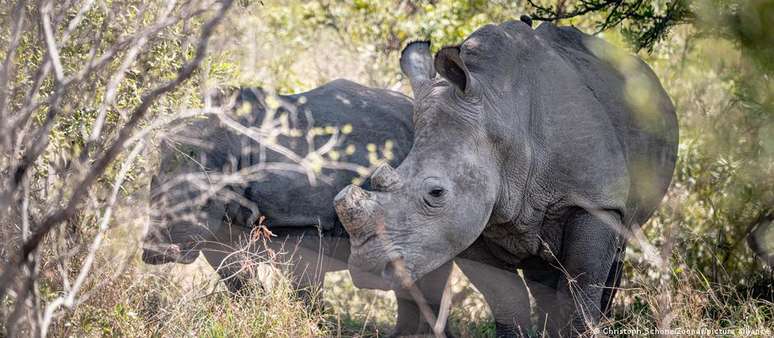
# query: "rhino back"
{"type": "Point", "coordinates": [376, 116]}
{"type": "Point", "coordinates": [647, 133]}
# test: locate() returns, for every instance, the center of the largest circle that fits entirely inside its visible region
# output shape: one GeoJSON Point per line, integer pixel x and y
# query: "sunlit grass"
{"type": "Point", "coordinates": [176, 300]}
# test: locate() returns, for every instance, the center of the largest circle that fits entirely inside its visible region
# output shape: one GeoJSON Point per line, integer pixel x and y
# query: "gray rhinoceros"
{"type": "Point", "coordinates": [529, 153]}
{"type": "Point", "coordinates": [216, 183]}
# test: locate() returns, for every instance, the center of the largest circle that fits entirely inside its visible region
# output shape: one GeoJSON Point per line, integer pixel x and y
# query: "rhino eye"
{"type": "Point", "coordinates": [437, 192]}
{"type": "Point", "coordinates": [435, 199]}
{"type": "Point", "coordinates": [434, 193]}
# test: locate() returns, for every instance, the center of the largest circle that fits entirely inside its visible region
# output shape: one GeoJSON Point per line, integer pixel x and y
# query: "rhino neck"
{"type": "Point", "coordinates": [516, 129]}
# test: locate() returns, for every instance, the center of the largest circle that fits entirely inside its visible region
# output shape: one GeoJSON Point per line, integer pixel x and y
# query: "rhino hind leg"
{"type": "Point", "coordinates": [611, 287]}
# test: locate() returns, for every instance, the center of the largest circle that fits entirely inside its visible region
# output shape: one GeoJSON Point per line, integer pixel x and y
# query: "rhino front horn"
{"type": "Point", "coordinates": [356, 210]}
{"type": "Point", "coordinates": [385, 178]}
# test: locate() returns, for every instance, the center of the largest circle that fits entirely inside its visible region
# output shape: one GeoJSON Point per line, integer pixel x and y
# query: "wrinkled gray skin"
{"type": "Point", "coordinates": [301, 215]}
{"type": "Point", "coordinates": [527, 156]}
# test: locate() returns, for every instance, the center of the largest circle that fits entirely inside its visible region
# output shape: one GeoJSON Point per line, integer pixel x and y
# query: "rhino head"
{"type": "Point", "coordinates": [451, 185]}
{"type": "Point", "coordinates": [182, 218]}
{"type": "Point", "coordinates": [171, 235]}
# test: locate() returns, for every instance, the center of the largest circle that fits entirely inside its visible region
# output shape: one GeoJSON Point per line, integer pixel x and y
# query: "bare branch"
{"type": "Point", "coordinates": [6, 71]}
{"type": "Point", "coordinates": [69, 298]}
{"type": "Point", "coordinates": [118, 76]}
{"type": "Point", "coordinates": [83, 186]}
{"type": "Point", "coordinates": [53, 50]}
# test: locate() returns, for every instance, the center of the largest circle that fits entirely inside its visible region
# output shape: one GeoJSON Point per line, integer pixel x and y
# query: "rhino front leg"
{"type": "Point", "coordinates": [588, 252]}
{"type": "Point", "coordinates": [410, 320]}
{"type": "Point", "coordinates": [221, 260]}
{"type": "Point", "coordinates": [308, 258]}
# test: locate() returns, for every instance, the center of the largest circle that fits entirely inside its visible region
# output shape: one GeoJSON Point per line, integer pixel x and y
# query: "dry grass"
{"type": "Point", "coordinates": [178, 300]}
{"type": "Point", "coordinates": [686, 300]}
{"type": "Point", "coordinates": [126, 298]}
{"type": "Point", "coordinates": [182, 300]}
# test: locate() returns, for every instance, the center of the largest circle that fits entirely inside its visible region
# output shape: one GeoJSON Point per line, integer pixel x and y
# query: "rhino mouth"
{"type": "Point", "coordinates": [376, 261]}
{"type": "Point", "coordinates": [167, 253]}
{"type": "Point", "coordinates": [388, 274]}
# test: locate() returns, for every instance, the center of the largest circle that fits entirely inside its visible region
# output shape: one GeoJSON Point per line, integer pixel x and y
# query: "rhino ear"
{"type": "Point", "coordinates": [450, 65]}
{"type": "Point", "coordinates": [416, 62]}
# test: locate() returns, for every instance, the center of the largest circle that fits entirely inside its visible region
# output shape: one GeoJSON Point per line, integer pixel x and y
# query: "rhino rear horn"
{"type": "Point", "coordinates": [385, 178]}
{"type": "Point", "coordinates": [416, 62]}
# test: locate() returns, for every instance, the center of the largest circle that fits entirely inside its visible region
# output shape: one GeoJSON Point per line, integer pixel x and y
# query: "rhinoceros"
{"type": "Point", "coordinates": [535, 149]}
{"type": "Point", "coordinates": [216, 184]}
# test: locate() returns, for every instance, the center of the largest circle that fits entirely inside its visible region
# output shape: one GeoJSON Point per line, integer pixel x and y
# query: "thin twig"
{"type": "Point", "coordinates": [114, 149]}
